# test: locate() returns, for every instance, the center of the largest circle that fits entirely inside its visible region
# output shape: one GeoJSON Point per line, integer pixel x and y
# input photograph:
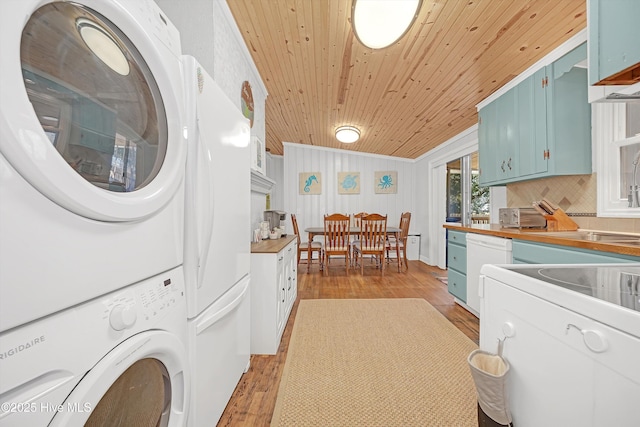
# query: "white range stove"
{"type": "Point", "coordinates": [572, 336]}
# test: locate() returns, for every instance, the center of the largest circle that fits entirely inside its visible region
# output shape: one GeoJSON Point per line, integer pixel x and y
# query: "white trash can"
{"type": "Point", "coordinates": [413, 247]}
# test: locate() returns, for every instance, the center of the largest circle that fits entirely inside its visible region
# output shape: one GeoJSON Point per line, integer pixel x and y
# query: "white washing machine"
{"type": "Point", "coordinates": [121, 357]}
{"type": "Point", "coordinates": [92, 151]}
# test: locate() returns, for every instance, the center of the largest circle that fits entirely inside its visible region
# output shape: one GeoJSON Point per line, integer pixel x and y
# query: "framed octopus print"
{"type": "Point", "coordinates": [348, 182]}
{"type": "Point", "coordinates": [310, 183]}
{"type": "Point", "coordinates": [386, 182]}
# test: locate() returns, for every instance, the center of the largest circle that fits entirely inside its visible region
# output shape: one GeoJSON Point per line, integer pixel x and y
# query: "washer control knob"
{"type": "Point", "coordinates": [122, 317]}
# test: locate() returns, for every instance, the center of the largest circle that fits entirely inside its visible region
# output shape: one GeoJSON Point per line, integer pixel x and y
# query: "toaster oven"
{"type": "Point", "coordinates": [521, 218]}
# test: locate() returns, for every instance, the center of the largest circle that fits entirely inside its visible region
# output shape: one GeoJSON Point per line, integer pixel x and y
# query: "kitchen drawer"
{"type": "Point", "coordinates": [457, 284]}
{"type": "Point", "coordinates": [541, 253]}
{"type": "Point", "coordinates": [458, 237]}
{"type": "Point", "coordinates": [457, 258]}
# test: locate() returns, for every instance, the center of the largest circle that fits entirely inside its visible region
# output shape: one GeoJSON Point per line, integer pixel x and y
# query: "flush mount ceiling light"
{"type": "Point", "coordinates": [381, 23]}
{"type": "Point", "coordinates": [103, 46]}
{"type": "Point", "coordinates": [347, 134]}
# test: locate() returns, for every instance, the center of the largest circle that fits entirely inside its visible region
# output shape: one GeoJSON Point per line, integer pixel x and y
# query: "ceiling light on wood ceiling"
{"type": "Point", "coordinates": [381, 23]}
{"type": "Point", "coordinates": [103, 45]}
{"type": "Point", "coordinates": [347, 134]}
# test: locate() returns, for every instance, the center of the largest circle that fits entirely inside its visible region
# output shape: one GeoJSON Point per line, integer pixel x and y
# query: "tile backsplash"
{"type": "Point", "coordinates": [575, 194]}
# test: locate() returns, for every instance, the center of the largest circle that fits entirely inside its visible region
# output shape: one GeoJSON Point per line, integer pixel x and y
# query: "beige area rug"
{"type": "Point", "coordinates": [375, 362]}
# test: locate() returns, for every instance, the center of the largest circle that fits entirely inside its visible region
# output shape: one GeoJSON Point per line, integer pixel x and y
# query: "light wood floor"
{"type": "Point", "coordinates": [253, 401]}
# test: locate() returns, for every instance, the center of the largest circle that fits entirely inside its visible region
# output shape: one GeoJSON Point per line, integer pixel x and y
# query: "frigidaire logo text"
{"type": "Point", "coordinates": [22, 347]}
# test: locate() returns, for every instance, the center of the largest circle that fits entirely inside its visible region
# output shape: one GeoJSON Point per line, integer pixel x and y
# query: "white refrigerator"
{"type": "Point", "coordinates": [217, 243]}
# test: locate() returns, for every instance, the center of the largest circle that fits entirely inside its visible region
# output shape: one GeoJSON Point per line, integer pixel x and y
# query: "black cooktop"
{"type": "Point", "coordinates": [619, 285]}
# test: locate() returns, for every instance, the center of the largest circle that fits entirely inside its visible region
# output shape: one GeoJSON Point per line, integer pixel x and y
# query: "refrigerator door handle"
{"type": "Point", "coordinates": [203, 250]}
{"type": "Point", "coordinates": [207, 322]}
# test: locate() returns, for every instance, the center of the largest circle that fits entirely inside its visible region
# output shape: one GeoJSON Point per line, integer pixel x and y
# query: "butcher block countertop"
{"type": "Point", "coordinates": [272, 246]}
{"type": "Point", "coordinates": [544, 236]}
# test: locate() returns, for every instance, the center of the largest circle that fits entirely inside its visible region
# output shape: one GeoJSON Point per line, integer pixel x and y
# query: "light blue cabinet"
{"type": "Point", "coordinates": [532, 125]}
{"type": "Point", "coordinates": [613, 40]}
{"type": "Point", "coordinates": [457, 264]}
{"type": "Point", "coordinates": [525, 252]}
{"type": "Point", "coordinates": [540, 128]}
{"type": "Point", "coordinates": [498, 141]}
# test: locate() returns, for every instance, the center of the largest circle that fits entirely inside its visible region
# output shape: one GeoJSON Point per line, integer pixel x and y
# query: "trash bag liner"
{"type": "Point", "coordinates": [489, 372]}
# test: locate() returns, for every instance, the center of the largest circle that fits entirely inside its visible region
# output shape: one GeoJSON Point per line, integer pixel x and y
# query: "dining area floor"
{"type": "Point", "coordinates": [253, 400]}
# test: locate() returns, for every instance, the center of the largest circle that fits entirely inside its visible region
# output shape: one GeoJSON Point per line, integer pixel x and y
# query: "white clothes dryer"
{"type": "Point", "coordinates": [92, 151]}
{"type": "Point", "coordinates": [120, 357]}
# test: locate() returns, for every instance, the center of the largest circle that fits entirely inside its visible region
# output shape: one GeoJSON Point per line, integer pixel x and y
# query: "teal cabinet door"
{"type": "Point", "coordinates": [507, 135]}
{"type": "Point", "coordinates": [457, 285]}
{"type": "Point", "coordinates": [613, 37]}
{"type": "Point", "coordinates": [532, 125]}
{"type": "Point", "coordinates": [497, 140]}
{"type": "Point", "coordinates": [568, 116]}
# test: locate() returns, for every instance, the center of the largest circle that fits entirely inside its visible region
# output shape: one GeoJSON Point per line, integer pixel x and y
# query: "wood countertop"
{"type": "Point", "coordinates": [272, 246]}
{"type": "Point", "coordinates": [544, 236]}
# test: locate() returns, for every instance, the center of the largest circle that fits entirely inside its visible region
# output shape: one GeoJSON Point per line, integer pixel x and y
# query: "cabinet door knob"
{"type": "Point", "coordinates": [594, 340]}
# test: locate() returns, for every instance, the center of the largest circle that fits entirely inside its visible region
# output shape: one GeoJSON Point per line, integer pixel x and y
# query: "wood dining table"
{"type": "Point", "coordinates": [354, 231]}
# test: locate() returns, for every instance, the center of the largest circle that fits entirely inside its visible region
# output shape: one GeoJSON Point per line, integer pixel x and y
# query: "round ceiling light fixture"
{"type": "Point", "coordinates": [381, 23]}
{"type": "Point", "coordinates": [103, 45]}
{"type": "Point", "coordinates": [347, 134]}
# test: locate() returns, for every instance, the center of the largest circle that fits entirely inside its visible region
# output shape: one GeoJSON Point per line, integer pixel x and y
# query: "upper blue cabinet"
{"type": "Point", "coordinates": [539, 128]}
{"type": "Point", "coordinates": [614, 46]}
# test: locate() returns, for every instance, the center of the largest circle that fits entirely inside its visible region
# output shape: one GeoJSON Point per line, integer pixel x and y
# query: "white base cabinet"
{"type": "Point", "coordinates": [274, 289]}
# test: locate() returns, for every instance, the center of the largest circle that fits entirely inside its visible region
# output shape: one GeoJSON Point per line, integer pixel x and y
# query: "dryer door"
{"type": "Point", "coordinates": [91, 104]}
{"type": "Point", "coordinates": [142, 382]}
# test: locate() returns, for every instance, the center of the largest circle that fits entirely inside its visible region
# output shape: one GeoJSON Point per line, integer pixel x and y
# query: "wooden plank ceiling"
{"type": "Point", "coordinates": [408, 98]}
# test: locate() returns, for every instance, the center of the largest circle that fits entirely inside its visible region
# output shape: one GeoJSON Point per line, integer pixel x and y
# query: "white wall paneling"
{"type": "Point", "coordinates": [310, 209]}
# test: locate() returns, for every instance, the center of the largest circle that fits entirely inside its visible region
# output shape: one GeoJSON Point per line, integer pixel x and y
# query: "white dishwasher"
{"type": "Point", "coordinates": [481, 250]}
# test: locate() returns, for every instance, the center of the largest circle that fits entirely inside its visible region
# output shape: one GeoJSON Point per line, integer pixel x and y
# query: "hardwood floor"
{"type": "Point", "coordinates": [253, 401]}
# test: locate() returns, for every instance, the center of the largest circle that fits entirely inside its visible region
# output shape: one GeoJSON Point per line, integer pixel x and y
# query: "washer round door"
{"type": "Point", "coordinates": [91, 109]}
{"type": "Point", "coordinates": [144, 381]}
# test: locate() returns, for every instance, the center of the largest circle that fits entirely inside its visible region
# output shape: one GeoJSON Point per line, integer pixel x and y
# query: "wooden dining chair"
{"type": "Point", "coordinates": [357, 218]}
{"type": "Point", "coordinates": [336, 239]}
{"type": "Point", "coordinates": [373, 232]}
{"type": "Point", "coordinates": [304, 245]}
{"type": "Point", "coordinates": [399, 244]}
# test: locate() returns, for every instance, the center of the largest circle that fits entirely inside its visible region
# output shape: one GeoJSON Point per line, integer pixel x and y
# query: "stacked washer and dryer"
{"type": "Point", "coordinates": [93, 313]}
{"type": "Point", "coordinates": [115, 303]}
